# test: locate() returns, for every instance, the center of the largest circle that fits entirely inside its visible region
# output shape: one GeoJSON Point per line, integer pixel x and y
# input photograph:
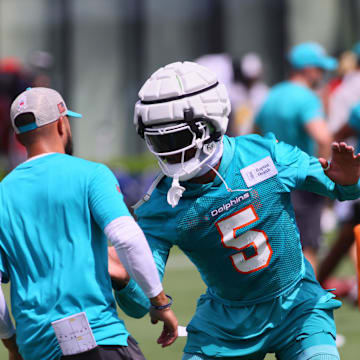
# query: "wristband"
{"type": "Point", "coordinates": [163, 307]}
{"type": "Point", "coordinates": [327, 167]}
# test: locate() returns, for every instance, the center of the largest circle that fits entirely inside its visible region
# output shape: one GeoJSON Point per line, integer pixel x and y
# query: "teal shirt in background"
{"type": "Point", "coordinates": [53, 210]}
{"type": "Point", "coordinates": [286, 111]}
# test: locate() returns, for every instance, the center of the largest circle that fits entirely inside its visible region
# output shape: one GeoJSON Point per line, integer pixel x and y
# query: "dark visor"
{"type": "Point", "coordinates": [170, 142]}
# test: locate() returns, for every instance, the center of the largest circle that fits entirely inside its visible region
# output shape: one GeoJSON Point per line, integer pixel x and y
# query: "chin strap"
{"type": "Point", "coordinates": [175, 192]}
{"type": "Point", "coordinates": [222, 179]}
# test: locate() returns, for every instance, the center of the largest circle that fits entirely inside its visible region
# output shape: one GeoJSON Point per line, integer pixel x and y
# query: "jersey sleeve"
{"type": "Point", "coordinates": [105, 199]}
{"type": "Point", "coordinates": [311, 108]}
{"type": "Point", "coordinates": [292, 164]}
{"type": "Point", "coordinates": [354, 119]}
{"type": "Point", "coordinates": [298, 170]}
{"type": "Point", "coordinates": [316, 181]}
{"type": "Point", "coordinates": [132, 299]}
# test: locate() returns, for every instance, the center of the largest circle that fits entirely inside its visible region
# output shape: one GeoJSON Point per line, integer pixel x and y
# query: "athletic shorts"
{"type": "Point", "coordinates": [288, 325]}
{"type": "Point", "coordinates": [308, 209]}
{"type": "Point", "coordinates": [111, 352]}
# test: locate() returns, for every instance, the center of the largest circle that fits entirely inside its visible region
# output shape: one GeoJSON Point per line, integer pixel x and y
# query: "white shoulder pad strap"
{"type": "Point", "coordinates": [152, 187]}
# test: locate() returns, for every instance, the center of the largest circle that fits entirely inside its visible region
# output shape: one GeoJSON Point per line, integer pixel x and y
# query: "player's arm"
{"type": "Point", "coordinates": [318, 130]}
{"type": "Point", "coordinates": [311, 114]}
{"type": "Point", "coordinates": [7, 330]}
{"type": "Point", "coordinates": [298, 170]}
{"type": "Point", "coordinates": [110, 213]}
{"type": "Point", "coordinates": [130, 298]}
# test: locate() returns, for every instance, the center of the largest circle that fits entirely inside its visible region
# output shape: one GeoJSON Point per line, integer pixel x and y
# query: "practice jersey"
{"type": "Point", "coordinates": [53, 210]}
{"type": "Point", "coordinates": [286, 111]}
{"type": "Point", "coordinates": [245, 243]}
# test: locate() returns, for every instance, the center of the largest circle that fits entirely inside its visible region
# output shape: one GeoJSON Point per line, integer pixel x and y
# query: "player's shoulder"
{"type": "Point", "coordinates": [254, 142]}
{"type": "Point", "coordinates": [294, 90]}
{"type": "Point", "coordinates": [252, 148]}
{"type": "Point", "coordinates": [153, 203]}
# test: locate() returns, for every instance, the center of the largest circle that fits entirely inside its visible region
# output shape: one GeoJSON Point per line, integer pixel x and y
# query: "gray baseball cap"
{"type": "Point", "coordinates": [47, 105]}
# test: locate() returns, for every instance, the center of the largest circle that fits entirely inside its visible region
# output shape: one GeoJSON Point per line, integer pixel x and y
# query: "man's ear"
{"type": "Point", "coordinates": [61, 125]}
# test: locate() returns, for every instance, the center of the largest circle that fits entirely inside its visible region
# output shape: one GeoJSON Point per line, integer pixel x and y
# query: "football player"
{"type": "Point", "coordinates": [225, 202]}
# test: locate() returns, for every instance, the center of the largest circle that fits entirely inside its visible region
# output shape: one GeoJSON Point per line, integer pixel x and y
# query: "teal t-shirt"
{"type": "Point", "coordinates": [287, 109]}
{"type": "Point", "coordinates": [53, 210]}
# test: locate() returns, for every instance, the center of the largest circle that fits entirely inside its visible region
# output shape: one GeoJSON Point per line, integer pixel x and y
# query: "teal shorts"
{"type": "Point", "coordinates": [291, 325]}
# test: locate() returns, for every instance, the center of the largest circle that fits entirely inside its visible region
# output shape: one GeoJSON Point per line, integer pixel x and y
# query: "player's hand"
{"type": "Point", "coordinates": [170, 328]}
{"type": "Point", "coordinates": [344, 167]}
{"type": "Point", "coordinates": [119, 275]}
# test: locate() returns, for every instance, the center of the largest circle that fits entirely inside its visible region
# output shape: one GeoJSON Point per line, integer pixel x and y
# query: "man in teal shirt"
{"type": "Point", "coordinates": [294, 113]}
{"type": "Point", "coordinates": [56, 212]}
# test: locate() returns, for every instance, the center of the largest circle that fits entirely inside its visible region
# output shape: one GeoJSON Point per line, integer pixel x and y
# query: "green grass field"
{"type": "Point", "coordinates": [183, 282]}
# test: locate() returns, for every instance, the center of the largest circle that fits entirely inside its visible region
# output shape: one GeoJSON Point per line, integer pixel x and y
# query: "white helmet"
{"type": "Point", "coordinates": [182, 106]}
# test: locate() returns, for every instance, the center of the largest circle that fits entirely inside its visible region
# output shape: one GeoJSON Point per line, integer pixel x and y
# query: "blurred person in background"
{"type": "Point", "coordinates": [346, 96]}
{"type": "Point", "coordinates": [295, 114]}
{"type": "Point", "coordinates": [348, 214]}
{"type": "Point", "coordinates": [56, 214]}
{"type": "Point", "coordinates": [347, 64]}
{"type": "Point", "coordinates": [225, 202]}
{"type": "Point", "coordinates": [13, 80]}
{"type": "Point", "coordinates": [244, 80]}
{"type": "Point", "coordinates": [250, 92]}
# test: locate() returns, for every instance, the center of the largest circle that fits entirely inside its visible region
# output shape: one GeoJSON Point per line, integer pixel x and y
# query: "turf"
{"type": "Point", "coordinates": [183, 282]}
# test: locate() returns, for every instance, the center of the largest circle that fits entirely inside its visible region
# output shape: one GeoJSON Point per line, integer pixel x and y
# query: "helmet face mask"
{"type": "Point", "coordinates": [177, 145]}
{"type": "Point", "coordinates": [172, 138]}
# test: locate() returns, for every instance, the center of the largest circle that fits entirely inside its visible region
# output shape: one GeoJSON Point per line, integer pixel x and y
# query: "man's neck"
{"type": "Point", "coordinates": [299, 79]}
{"type": "Point", "coordinates": [207, 177]}
{"type": "Point", "coordinates": [40, 149]}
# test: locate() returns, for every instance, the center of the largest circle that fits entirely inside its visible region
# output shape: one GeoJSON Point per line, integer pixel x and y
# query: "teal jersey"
{"type": "Point", "coordinates": [53, 210]}
{"type": "Point", "coordinates": [286, 111]}
{"type": "Point", "coordinates": [245, 244]}
{"type": "Point", "coordinates": [354, 122]}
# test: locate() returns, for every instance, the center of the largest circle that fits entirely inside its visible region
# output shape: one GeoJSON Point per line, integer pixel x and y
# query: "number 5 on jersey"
{"type": "Point", "coordinates": [257, 239]}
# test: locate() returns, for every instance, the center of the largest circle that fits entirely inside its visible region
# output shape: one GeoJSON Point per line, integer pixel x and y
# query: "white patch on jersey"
{"type": "Point", "coordinates": [259, 171]}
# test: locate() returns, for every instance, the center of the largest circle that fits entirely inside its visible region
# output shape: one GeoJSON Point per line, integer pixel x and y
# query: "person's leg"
{"type": "Point", "coordinates": [337, 251]}
{"type": "Point", "coordinates": [349, 215]}
{"type": "Point", "coordinates": [319, 346]}
{"type": "Point", "coordinates": [308, 328]}
{"type": "Point", "coordinates": [308, 209]}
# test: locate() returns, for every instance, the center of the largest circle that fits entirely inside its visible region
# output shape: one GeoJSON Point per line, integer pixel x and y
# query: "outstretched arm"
{"type": "Point", "coordinates": [135, 254]}
{"type": "Point", "coordinates": [344, 166]}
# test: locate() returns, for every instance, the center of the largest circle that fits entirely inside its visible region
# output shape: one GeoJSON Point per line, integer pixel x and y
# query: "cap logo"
{"type": "Point", "coordinates": [22, 104]}
{"type": "Point", "coordinates": [61, 107]}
